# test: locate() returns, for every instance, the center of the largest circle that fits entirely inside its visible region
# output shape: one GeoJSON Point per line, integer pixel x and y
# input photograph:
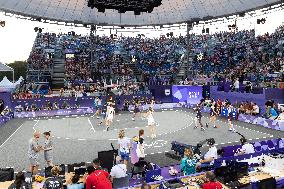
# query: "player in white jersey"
{"type": "Point", "coordinates": [109, 115]}
{"type": "Point", "coordinates": [151, 122]}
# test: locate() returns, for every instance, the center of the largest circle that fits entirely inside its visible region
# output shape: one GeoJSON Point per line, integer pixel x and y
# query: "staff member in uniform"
{"type": "Point", "coordinates": [48, 149]}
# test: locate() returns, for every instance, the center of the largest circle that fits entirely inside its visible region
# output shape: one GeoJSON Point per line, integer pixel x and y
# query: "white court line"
{"type": "Point", "coordinates": [10, 136]}
{"type": "Point", "coordinates": [35, 125]}
{"type": "Point", "coordinates": [91, 125]}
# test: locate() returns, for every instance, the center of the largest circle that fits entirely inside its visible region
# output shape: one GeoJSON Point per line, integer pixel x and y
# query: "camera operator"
{"type": "Point", "coordinates": [210, 155]}
{"type": "Point", "coordinates": [247, 148]}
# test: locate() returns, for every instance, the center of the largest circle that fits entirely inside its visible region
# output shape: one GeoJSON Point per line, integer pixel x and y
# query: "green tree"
{"type": "Point", "coordinates": [20, 68]}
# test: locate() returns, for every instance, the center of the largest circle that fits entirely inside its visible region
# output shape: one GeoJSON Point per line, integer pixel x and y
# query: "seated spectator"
{"type": "Point", "coordinates": [98, 179]}
{"type": "Point", "coordinates": [255, 110]}
{"type": "Point", "coordinates": [188, 163]}
{"type": "Point", "coordinates": [119, 170]}
{"type": "Point", "coordinates": [97, 164]}
{"type": "Point", "coordinates": [210, 181]}
{"type": "Point", "coordinates": [20, 182]}
{"type": "Point", "coordinates": [273, 114]}
{"type": "Point", "coordinates": [19, 108]}
{"type": "Point", "coordinates": [54, 182]}
{"type": "Point", "coordinates": [75, 183]}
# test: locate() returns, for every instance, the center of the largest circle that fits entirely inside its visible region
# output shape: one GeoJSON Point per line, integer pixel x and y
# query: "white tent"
{"type": "Point", "coordinates": [19, 81]}
{"type": "Point", "coordinates": [6, 68]}
{"type": "Point", "coordinates": [5, 83]}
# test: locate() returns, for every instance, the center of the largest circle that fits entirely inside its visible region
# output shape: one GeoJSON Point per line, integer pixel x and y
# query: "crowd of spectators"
{"type": "Point", "coordinates": [77, 56]}
{"type": "Point", "coordinates": [156, 56]}
{"type": "Point", "coordinates": [47, 106]}
{"type": "Point", "coordinates": [41, 56]}
{"type": "Point", "coordinates": [245, 107]}
{"type": "Point", "coordinates": [113, 56]}
{"type": "Point", "coordinates": [271, 110]}
{"type": "Point", "coordinates": [228, 55]}
{"type": "Point", "coordinates": [138, 100]}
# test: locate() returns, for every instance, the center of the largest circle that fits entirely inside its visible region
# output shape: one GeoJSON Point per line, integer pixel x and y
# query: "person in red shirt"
{"type": "Point", "coordinates": [99, 179]}
{"type": "Point", "coordinates": [211, 181]}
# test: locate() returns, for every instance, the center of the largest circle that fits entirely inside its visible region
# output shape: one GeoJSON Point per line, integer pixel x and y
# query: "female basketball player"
{"type": "Point", "coordinates": [109, 116]}
{"type": "Point", "coordinates": [48, 149]}
{"type": "Point", "coordinates": [136, 109]}
{"type": "Point", "coordinates": [140, 146]}
{"type": "Point", "coordinates": [98, 104]}
{"type": "Point", "coordinates": [151, 122]}
{"type": "Point", "coordinates": [230, 117]}
{"type": "Point", "coordinates": [213, 113]}
{"type": "Point", "coordinates": [152, 103]}
{"type": "Point", "coordinates": [198, 117]}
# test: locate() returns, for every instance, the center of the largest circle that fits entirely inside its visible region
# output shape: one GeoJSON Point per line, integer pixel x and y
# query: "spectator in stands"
{"type": "Point", "coordinates": [90, 169]}
{"type": "Point", "coordinates": [54, 182]}
{"type": "Point", "coordinates": [237, 85]}
{"type": "Point", "coordinates": [119, 170]}
{"type": "Point", "coordinates": [188, 163]}
{"type": "Point", "coordinates": [124, 146]}
{"type": "Point", "coordinates": [75, 183]}
{"type": "Point", "coordinates": [20, 182]}
{"type": "Point", "coordinates": [273, 114]}
{"type": "Point", "coordinates": [97, 164]}
{"type": "Point", "coordinates": [255, 110]}
{"type": "Point", "coordinates": [99, 178]}
{"type": "Point", "coordinates": [210, 181]}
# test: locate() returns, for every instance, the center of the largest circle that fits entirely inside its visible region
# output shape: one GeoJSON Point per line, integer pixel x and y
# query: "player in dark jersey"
{"type": "Point", "coordinates": [213, 113]}
{"type": "Point", "coordinates": [136, 109]}
{"type": "Point", "coordinates": [103, 113]}
{"type": "Point", "coordinates": [198, 117]}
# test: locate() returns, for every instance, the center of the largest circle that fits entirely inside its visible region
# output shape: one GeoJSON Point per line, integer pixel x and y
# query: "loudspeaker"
{"type": "Point", "coordinates": [107, 158]}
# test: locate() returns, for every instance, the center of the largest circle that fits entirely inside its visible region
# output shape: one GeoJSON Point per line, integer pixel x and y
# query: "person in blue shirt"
{"type": "Point", "coordinates": [273, 114]}
{"type": "Point", "coordinates": [188, 163]}
{"type": "Point", "coordinates": [75, 183]}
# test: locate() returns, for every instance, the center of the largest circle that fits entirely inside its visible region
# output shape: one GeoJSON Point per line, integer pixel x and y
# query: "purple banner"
{"type": "Point", "coordinates": [268, 123]}
{"type": "Point", "coordinates": [72, 101]}
{"type": "Point", "coordinates": [188, 94]}
{"type": "Point", "coordinates": [260, 146]}
{"type": "Point", "coordinates": [6, 118]}
{"type": "Point", "coordinates": [162, 93]}
{"type": "Point", "coordinates": [50, 113]}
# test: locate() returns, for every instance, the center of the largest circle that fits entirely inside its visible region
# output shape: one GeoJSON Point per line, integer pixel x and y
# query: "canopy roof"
{"type": "Point", "coordinates": [5, 68]}
{"type": "Point", "coordinates": [171, 11]}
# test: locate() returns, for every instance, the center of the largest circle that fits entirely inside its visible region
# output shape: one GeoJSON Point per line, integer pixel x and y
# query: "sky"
{"type": "Point", "coordinates": [17, 37]}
